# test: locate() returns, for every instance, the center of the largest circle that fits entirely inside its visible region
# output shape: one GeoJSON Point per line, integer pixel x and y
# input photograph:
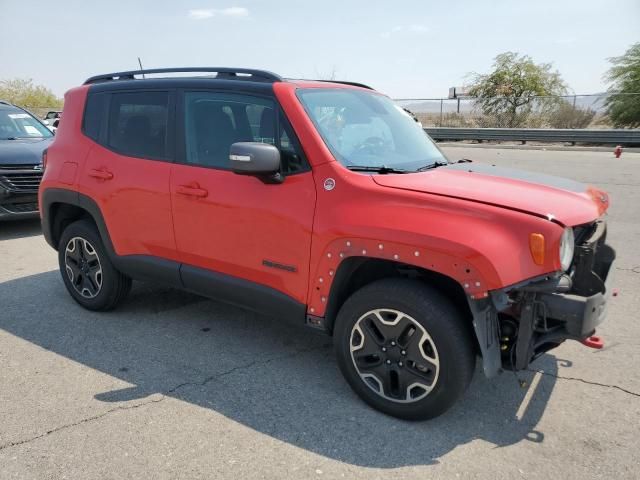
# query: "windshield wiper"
{"type": "Point", "coordinates": [381, 169]}
{"type": "Point", "coordinates": [432, 165]}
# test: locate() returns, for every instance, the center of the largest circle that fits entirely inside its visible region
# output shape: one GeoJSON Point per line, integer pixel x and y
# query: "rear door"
{"type": "Point", "coordinates": [238, 225]}
{"type": "Point", "coordinates": [127, 170]}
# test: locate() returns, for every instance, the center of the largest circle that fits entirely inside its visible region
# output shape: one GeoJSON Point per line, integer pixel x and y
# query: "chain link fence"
{"type": "Point", "coordinates": [570, 111]}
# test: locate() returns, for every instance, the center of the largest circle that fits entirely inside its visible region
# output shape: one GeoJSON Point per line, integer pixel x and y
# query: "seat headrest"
{"type": "Point", "coordinates": [267, 124]}
{"type": "Point", "coordinates": [137, 126]}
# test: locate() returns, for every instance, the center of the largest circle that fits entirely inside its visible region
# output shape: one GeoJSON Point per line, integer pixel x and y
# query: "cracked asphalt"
{"type": "Point", "coordinates": [172, 385]}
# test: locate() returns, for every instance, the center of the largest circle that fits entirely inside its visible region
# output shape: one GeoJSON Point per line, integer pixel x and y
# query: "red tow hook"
{"type": "Point", "coordinates": [593, 342]}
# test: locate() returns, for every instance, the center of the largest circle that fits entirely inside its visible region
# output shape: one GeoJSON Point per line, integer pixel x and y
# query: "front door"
{"type": "Point", "coordinates": [248, 232]}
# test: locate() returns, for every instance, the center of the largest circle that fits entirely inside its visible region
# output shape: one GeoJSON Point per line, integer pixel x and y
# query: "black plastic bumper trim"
{"type": "Point", "coordinates": [581, 314]}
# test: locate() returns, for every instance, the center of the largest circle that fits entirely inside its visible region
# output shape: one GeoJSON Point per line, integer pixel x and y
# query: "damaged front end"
{"type": "Point", "coordinates": [517, 324]}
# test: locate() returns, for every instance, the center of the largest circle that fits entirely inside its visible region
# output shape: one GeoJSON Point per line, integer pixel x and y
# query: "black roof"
{"type": "Point", "coordinates": [225, 74]}
{"type": "Point", "coordinates": [221, 73]}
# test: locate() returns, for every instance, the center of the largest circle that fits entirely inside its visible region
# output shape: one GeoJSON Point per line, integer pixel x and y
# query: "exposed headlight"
{"type": "Point", "coordinates": [566, 248]}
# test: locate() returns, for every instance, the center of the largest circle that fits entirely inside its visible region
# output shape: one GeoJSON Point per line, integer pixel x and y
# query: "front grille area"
{"type": "Point", "coordinates": [20, 178]}
{"type": "Point", "coordinates": [591, 260]}
{"type": "Point", "coordinates": [17, 167]}
{"type": "Point", "coordinates": [582, 232]}
{"type": "Point", "coordinates": [21, 207]}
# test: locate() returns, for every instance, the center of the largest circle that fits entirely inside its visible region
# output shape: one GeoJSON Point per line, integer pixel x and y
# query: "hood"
{"type": "Point", "coordinates": [565, 201]}
{"type": "Point", "coordinates": [23, 151]}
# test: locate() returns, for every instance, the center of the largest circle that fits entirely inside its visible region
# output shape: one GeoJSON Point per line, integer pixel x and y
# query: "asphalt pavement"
{"type": "Point", "coordinates": [171, 385]}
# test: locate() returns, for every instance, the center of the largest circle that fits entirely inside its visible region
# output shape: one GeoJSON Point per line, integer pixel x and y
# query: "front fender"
{"type": "Point", "coordinates": [481, 247]}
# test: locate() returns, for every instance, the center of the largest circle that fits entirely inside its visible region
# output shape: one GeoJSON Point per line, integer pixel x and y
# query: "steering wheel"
{"type": "Point", "coordinates": [372, 145]}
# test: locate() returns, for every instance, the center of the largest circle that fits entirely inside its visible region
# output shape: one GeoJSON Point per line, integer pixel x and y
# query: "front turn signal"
{"type": "Point", "coordinates": [536, 245]}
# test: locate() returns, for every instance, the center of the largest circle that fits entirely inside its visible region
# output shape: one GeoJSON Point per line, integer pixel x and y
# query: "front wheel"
{"type": "Point", "coordinates": [404, 348]}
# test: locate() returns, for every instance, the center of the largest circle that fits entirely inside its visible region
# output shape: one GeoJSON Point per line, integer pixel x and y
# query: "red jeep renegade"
{"type": "Point", "coordinates": [325, 204]}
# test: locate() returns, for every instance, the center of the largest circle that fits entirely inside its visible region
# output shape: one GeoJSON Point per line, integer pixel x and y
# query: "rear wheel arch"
{"type": "Point", "coordinates": [61, 207]}
{"type": "Point", "coordinates": [62, 215]}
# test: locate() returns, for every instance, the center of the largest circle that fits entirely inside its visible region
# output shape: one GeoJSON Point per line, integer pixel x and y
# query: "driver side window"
{"type": "Point", "coordinates": [214, 121]}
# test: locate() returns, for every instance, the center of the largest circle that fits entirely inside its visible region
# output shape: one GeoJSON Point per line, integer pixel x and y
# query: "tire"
{"type": "Point", "coordinates": [86, 269]}
{"type": "Point", "coordinates": [404, 348]}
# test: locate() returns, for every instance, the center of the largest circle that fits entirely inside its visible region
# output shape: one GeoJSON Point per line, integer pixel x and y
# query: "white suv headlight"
{"type": "Point", "coordinates": [566, 248]}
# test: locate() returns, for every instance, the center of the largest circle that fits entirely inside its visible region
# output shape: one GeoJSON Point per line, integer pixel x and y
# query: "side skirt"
{"type": "Point", "coordinates": [243, 293]}
{"type": "Point", "coordinates": [217, 286]}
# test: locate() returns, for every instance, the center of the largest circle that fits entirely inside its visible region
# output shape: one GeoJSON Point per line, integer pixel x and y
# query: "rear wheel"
{"type": "Point", "coordinates": [404, 348]}
{"type": "Point", "coordinates": [86, 270]}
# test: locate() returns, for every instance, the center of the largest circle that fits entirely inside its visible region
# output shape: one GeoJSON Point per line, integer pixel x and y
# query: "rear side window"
{"type": "Point", "coordinates": [93, 115]}
{"type": "Point", "coordinates": [138, 124]}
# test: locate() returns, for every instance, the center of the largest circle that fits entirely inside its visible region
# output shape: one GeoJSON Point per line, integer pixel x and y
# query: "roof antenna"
{"type": "Point", "coordinates": [141, 69]}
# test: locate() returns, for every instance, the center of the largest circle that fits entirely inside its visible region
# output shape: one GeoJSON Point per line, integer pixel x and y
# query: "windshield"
{"type": "Point", "coordinates": [16, 124]}
{"type": "Point", "coordinates": [365, 129]}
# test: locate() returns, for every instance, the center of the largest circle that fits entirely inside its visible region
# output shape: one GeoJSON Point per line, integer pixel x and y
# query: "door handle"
{"type": "Point", "coordinates": [101, 174]}
{"type": "Point", "coordinates": [192, 191]}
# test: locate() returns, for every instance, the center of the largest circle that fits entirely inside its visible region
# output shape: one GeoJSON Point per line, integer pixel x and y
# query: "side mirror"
{"type": "Point", "coordinates": [258, 159]}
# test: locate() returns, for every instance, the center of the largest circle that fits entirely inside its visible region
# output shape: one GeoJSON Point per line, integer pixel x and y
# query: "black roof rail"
{"type": "Point", "coordinates": [222, 72]}
{"type": "Point", "coordinates": [4, 102]}
{"type": "Point", "coordinates": [344, 82]}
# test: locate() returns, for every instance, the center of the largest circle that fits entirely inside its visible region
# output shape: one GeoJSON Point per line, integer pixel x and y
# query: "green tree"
{"type": "Point", "coordinates": [507, 93]}
{"type": "Point", "coordinates": [624, 109]}
{"type": "Point", "coordinates": [24, 93]}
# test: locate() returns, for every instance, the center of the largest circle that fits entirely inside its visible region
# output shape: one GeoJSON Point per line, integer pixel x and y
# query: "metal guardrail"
{"type": "Point", "coordinates": [629, 137]}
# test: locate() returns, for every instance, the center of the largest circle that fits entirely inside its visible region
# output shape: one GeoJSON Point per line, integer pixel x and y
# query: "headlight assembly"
{"type": "Point", "coordinates": [567, 243]}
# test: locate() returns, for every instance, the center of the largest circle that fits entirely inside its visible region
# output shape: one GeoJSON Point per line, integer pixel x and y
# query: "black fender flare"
{"type": "Point", "coordinates": [52, 196]}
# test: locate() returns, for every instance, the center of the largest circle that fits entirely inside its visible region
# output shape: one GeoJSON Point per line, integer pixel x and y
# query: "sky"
{"type": "Point", "coordinates": [404, 48]}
